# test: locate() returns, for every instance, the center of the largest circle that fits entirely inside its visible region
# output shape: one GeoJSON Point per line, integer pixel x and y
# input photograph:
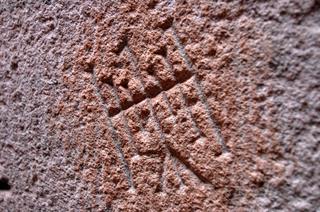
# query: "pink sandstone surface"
{"type": "Point", "coordinates": [159, 105]}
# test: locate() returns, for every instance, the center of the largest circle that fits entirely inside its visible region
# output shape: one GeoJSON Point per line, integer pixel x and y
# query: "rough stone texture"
{"type": "Point", "coordinates": [159, 105]}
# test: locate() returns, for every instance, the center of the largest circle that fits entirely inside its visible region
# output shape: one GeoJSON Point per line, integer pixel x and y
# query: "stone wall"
{"type": "Point", "coordinates": [159, 105]}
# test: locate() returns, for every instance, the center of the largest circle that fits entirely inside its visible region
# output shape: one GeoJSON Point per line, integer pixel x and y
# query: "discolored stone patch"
{"type": "Point", "coordinates": [171, 99]}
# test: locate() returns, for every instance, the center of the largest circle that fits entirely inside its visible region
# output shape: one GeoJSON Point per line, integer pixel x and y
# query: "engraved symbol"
{"type": "Point", "coordinates": [182, 111]}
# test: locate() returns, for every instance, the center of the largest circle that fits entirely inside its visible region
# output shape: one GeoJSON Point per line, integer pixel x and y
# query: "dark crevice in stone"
{"type": "Point", "coordinates": [121, 45]}
{"type": "Point", "coordinates": [89, 68]}
{"type": "Point", "coordinates": [4, 184]}
{"type": "Point", "coordinates": [14, 65]}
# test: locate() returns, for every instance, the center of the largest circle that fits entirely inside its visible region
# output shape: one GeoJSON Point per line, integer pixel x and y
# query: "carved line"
{"type": "Point", "coordinates": [115, 92]}
{"type": "Point", "coordinates": [174, 160]}
{"type": "Point", "coordinates": [100, 169]}
{"type": "Point", "coordinates": [169, 65]}
{"type": "Point", "coordinates": [185, 166]}
{"type": "Point", "coordinates": [203, 99]}
{"type": "Point", "coordinates": [163, 172]}
{"type": "Point", "coordinates": [162, 138]}
{"type": "Point", "coordinates": [115, 138]}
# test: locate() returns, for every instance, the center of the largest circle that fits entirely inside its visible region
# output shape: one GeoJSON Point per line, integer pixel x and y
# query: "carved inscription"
{"type": "Point", "coordinates": [157, 108]}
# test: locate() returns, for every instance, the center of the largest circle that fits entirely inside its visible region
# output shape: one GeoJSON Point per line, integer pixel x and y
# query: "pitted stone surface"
{"type": "Point", "coordinates": [159, 105]}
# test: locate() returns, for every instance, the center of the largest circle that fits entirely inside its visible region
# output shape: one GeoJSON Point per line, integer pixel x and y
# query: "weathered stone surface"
{"type": "Point", "coordinates": [159, 105]}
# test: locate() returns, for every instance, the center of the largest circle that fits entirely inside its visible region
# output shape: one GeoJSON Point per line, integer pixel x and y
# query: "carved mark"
{"type": "Point", "coordinates": [115, 138]}
{"type": "Point", "coordinates": [169, 152]}
{"type": "Point", "coordinates": [169, 65]}
{"type": "Point", "coordinates": [162, 138]}
{"type": "Point", "coordinates": [152, 95]}
{"type": "Point", "coordinates": [121, 45]}
{"type": "Point", "coordinates": [203, 99]}
{"type": "Point", "coordinates": [148, 95]}
{"type": "Point", "coordinates": [115, 94]}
